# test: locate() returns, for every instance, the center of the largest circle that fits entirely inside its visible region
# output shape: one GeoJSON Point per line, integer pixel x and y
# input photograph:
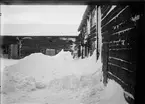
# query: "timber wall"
{"type": "Point", "coordinates": [120, 32]}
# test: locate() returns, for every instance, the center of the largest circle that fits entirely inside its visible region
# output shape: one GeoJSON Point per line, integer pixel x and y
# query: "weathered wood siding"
{"type": "Point", "coordinates": [92, 39]}
{"type": "Point", "coordinates": [120, 30]}
{"type": "Point", "coordinates": [93, 31]}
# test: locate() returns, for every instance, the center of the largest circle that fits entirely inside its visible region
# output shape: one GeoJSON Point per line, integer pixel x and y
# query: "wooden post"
{"type": "Point", "coordinates": [103, 47]}
{"type": "Point", "coordinates": [96, 33]}
{"type": "Point", "coordinates": [19, 46]}
{"type": "Point", "coordinates": [81, 52]}
{"type": "Point", "coordinates": [105, 61]}
{"type": "Point", "coordinates": [99, 29]}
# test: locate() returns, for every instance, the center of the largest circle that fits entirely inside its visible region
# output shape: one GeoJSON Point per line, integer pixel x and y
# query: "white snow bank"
{"type": "Point", "coordinates": [88, 65]}
{"type": "Point", "coordinates": [45, 68]}
{"type": "Point", "coordinates": [64, 55]}
{"type": "Point", "coordinates": [112, 94]}
{"type": "Point", "coordinates": [61, 73]}
{"type": "Point", "coordinates": [70, 82]}
{"type": "Point", "coordinates": [7, 62]}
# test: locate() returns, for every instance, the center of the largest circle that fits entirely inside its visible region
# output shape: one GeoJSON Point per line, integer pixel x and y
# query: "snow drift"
{"type": "Point", "coordinates": [46, 68]}
{"type": "Point", "coordinates": [80, 78]}
{"type": "Point", "coordinates": [5, 63]}
{"type": "Point", "coordinates": [112, 94]}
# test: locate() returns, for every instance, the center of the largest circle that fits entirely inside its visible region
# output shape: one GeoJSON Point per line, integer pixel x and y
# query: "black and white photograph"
{"type": "Point", "coordinates": [69, 53]}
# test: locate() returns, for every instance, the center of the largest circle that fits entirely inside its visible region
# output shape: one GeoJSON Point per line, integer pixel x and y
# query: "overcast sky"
{"type": "Point", "coordinates": [41, 19]}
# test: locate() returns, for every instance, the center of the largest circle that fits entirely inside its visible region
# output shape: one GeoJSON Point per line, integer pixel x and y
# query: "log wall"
{"type": "Point", "coordinates": [120, 31]}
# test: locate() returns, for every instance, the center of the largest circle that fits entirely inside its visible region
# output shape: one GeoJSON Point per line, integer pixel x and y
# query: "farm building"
{"type": "Point", "coordinates": [88, 29]}
{"type": "Point", "coordinates": [21, 46]}
{"type": "Point", "coordinates": [113, 30]}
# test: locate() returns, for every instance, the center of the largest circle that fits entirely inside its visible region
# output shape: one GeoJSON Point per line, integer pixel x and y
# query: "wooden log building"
{"type": "Point", "coordinates": [88, 41]}
{"type": "Point", "coordinates": [113, 30]}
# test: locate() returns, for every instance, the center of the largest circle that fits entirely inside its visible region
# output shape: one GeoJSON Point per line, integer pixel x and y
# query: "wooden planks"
{"type": "Point", "coordinates": [93, 29]}
{"type": "Point", "coordinates": [124, 27]}
{"type": "Point", "coordinates": [121, 16]}
{"type": "Point", "coordinates": [126, 76]}
{"type": "Point", "coordinates": [111, 15]}
{"type": "Point", "coordinates": [130, 67]}
{"type": "Point", "coordinates": [105, 9]}
{"type": "Point", "coordinates": [122, 83]}
{"type": "Point", "coordinates": [119, 28]}
{"type": "Point", "coordinates": [129, 36]}
{"type": "Point", "coordinates": [124, 54]}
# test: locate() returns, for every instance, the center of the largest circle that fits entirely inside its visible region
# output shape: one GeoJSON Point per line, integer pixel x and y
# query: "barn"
{"type": "Point", "coordinates": [17, 47]}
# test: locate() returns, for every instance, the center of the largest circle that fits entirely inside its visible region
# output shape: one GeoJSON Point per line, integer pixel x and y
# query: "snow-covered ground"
{"type": "Point", "coordinates": [60, 79]}
{"type": "Point", "coordinates": [4, 63]}
{"type": "Point", "coordinates": [7, 62]}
